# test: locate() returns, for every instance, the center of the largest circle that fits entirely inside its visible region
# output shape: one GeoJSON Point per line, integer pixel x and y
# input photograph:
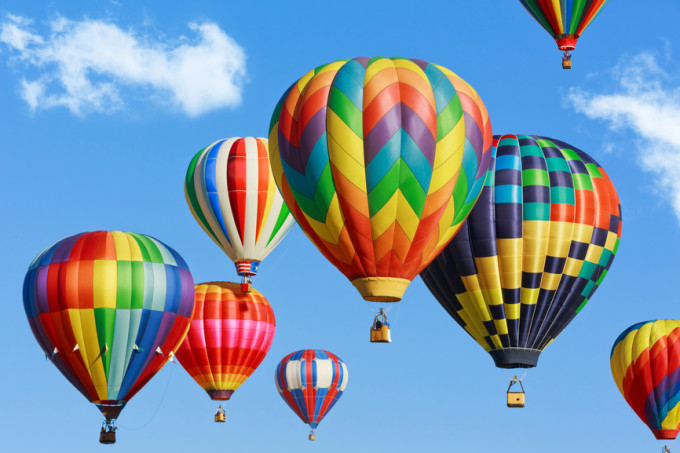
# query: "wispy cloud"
{"type": "Point", "coordinates": [645, 99]}
{"type": "Point", "coordinates": [92, 65]}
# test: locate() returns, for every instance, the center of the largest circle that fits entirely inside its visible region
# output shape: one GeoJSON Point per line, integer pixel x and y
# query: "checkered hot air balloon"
{"type": "Point", "coordinates": [380, 161]}
{"type": "Point", "coordinates": [109, 309]}
{"type": "Point", "coordinates": [536, 246]}
{"type": "Point", "coordinates": [231, 193]}
{"type": "Point", "coordinates": [311, 381]}
{"type": "Point", "coordinates": [645, 362]}
{"type": "Point", "coordinates": [230, 334]}
{"type": "Point", "coordinates": [565, 20]}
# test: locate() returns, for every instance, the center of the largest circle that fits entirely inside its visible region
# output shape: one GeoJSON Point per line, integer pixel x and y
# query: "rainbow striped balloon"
{"type": "Point", "coordinates": [565, 20]}
{"type": "Point", "coordinates": [109, 308]}
{"type": "Point", "coordinates": [230, 334]}
{"type": "Point", "coordinates": [232, 194]}
{"type": "Point", "coordinates": [311, 381]}
{"type": "Point", "coordinates": [380, 161]}
{"type": "Point", "coordinates": [645, 362]}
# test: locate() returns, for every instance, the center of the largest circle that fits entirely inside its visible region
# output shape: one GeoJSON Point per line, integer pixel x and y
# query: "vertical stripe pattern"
{"type": "Point", "coordinates": [380, 161]}
{"type": "Point", "coordinates": [113, 305]}
{"type": "Point", "coordinates": [565, 20]}
{"type": "Point", "coordinates": [537, 245]}
{"type": "Point", "coordinates": [232, 194]}
{"type": "Point", "coordinates": [230, 334]}
{"type": "Point", "coordinates": [645, 363]}
{"type": "Point", "coordinates": [311, 381]}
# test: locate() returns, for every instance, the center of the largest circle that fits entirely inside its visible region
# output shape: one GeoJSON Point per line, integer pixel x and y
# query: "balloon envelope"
{"type": "Point", "coordinates": [232, 194]}
{"type": "Point", "coordinates": [109, 308]}
{"type": "Point", "coordinates": [536, 246]}
{"type": "Point", "coordinates": [564, 20]}
{"type": "Point", "coordinates": [645, 363]}
{"type": "Point", "coordinates": [311, 381]}
{"type": "Point", "coordinates": [380, 161]}
{"type": "Point", "coordinates": [230, 334]}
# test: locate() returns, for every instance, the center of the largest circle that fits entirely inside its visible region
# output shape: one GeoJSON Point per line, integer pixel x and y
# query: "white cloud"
{"type": "Point", "coordinates": [646, 100]}
{"type": "Point", "coordinates": [88, 65]}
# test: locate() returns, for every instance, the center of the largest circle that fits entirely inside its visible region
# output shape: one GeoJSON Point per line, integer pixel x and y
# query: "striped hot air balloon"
{"type": "Point", "coordinates": [231, 192]}
{"type": "Point", "coordinates": [536, 246]}
{"type": "Point", "coordinates": [109, 308]}
{"type": "Point", "coordinates": [311, 381]}
{"type": "Point", "coordinates": [380, 161]}
{"type": "Point", "coordinates": [230, 334]}
{"type": "Point", "coordinates": [645, 363]}
{"type": "Point", "coordinates": [565, 20]}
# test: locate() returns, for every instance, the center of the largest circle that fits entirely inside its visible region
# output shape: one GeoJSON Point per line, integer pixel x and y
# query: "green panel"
{"type": "Point", "coordinates": [124, 284]}
{"type": "Point", "coordinates": [535, 177]}
{"type": "Point", "coordinates": [138, 282]}
{"type": "Point", "coordinates": [411, 189]}
{"type": "Point", "coordinates": [105, 319]}
{"type": "Point", "coordinates": [531, 150]}
{"type": "Point", "coordinates": [449, 117]}
{"type": "Point", "coordinates": [193, 197]}
{"type": "Point", "coordinates": [283, 215]}
{"type": "Point", "coordinates": [460, 191]}
{"type": "Point", "coordinates": [385, 189]}
{"type": "Point", "coordinates": [587, 270]}
{"type": "Point", "coordinates": [594, 171]}
{"type": "Point", "coordinates": [325, 190]}
{"type": "Point", "coordinates": [570, 154]}
{"type": "Point", "coordinates": [582, 181]}
{"type": "Point", "coordinates": [339, 103]}
{"type": "Point", "coordinates": [545, 143]}
{"type": "Point", "coordinates": [576, 15]}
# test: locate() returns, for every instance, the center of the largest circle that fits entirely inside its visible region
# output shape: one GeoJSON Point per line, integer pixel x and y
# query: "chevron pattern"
{"type": "Point", "coordinates": [645, 362]}
{"type": "Point", "coordinates": [380, 160]}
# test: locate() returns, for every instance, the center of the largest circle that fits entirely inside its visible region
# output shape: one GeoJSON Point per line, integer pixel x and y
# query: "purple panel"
{"type": "Point", "coordinates": [388, 125]}
{"type": "Point", "coordinates": [40, 289]}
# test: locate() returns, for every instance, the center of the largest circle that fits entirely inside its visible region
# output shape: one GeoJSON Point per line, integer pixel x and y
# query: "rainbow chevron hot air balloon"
{"type": "Point", "coordinates": [645, 362]}
{"type": "Point", "coordinates": [231, 193]}
{"type": "Point", "coordinates": [109, 308]}
{"type": "Point", "coordinates": [380, 161]}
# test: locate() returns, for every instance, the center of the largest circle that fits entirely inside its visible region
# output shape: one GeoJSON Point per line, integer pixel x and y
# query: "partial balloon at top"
{"type": "Point", "coordinates": [231, 192]}
{"type": "Point", "coordinates": [565, 20]}
{"type": "Point", "coordinates": [380, 160]}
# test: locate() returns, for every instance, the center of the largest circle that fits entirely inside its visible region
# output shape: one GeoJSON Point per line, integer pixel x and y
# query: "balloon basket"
{"type": "Point", "coordinates": [380, 329]}
{"type": "Point", "coordinates": [107, 435]}
{"type": "Point", "coordinates": [515, 398]}
{"type": "Point", "coordinates": [312, 436]}
{"type": "Point", "coordinates": [246, 287]}
{"type": "Point", "coordinates": [220, 415]}
{"type": "Point", "coordinates": [566, 60]}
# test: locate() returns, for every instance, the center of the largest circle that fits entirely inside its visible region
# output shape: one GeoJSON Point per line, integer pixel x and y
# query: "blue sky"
{"type": "Point", "coordinates": [105, 103]}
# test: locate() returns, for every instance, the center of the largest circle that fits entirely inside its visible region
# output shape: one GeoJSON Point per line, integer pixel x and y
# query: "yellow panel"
{"type": "Point", "coordinates": [496, 340]}
{"type": "Point", "coordinates": [510, 262]}
{"type": "Point", "coordinates": [487, 268]}
{"type": "Point", "coordinates": [528, 296]}
{"type": "Point", "coordinates": [406, 217]}
{"type": "Point", "coordinates": [511, 311]}
{"type": "Point", "coordinates": [448, 147]}
{"type": "Point", "coordinates": [105, 282]}
{"type": "Point", "coordinates": [594, 253]}
{"type": "Point", "coordinates": [550, 281]}
{"type": "Point", "coordinates": [471, 283]}
{"type": "Point", "coordinates": [583, 233]}
{"type": "Point", "coordinates": [85, 331]}
{"type": "Point", "coordinates": [611, 241]}
{"type": "Point", "coordinates": [383, 219]}
{"type": "Point", "coordinates": [572, 267]}
{"type": "Point", "coordinates": [534, 245]}
{"type": "Point", "coordinates": [501, 326]}
{"type": "Point", "coordinates": [493, 296]}
{"type": "Point", "coordinates": [560, 239]}
{"type": "Point", "coordinates": [346, 150]}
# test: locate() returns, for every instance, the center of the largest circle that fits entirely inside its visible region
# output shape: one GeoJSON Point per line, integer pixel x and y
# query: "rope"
{"type": "Point", "coordinates": [167, 384]}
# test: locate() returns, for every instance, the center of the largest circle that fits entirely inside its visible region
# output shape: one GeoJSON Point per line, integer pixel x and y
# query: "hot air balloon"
{"type": "Point", "coordinates": [109, 308]}
{"type": "Point", "coordinates": [564, 20]}
{"type": "Point", "coordinates": [645, 362]}
{"type": "Point", "coordinates": [231, 193]}
{"type": "Point", "coordinates": [230, 334]}
{"type": "Point", "coordinates": [311, 381]}
{"type": "Point", "coordinates": [380, 161]}
{"type": "Point", "coordinates": [536, 246]}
